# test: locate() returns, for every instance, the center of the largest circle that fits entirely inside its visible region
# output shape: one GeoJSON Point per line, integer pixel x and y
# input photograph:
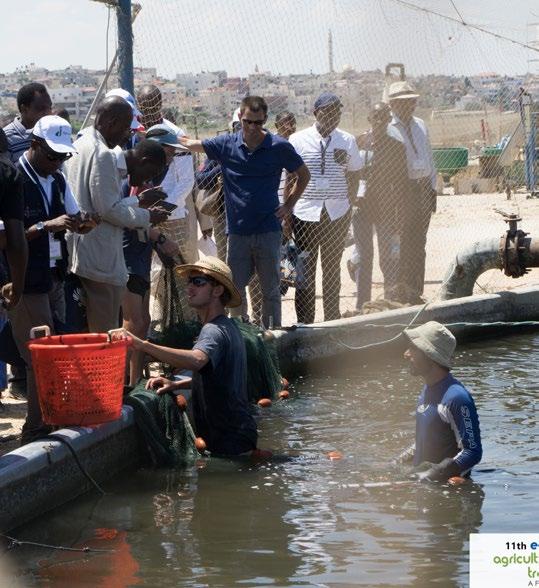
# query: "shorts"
{"type": "Point", "coordinates": [138, 285]}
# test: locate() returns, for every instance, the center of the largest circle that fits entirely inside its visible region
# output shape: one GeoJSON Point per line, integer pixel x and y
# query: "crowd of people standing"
{"type": "Point", "coordinates": [91, 216]}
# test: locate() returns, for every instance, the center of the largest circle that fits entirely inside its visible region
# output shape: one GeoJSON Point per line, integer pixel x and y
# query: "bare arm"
{"type": "Point", "coordinates": [192, 144]}
{"type": "Point", "coordinates": [185, 359]}
{"type": "Point", "coordinates": [296, 183]}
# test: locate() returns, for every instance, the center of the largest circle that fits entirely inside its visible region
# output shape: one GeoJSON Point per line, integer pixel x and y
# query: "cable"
{"type": "Point", "coordinates": [457, 11]}
{"type": "Point", "coordinates": [53, 437]}
{"type": "Point", "coordinates": [18, 542]}
{"type": "Point", "coordinates": [472, 26]}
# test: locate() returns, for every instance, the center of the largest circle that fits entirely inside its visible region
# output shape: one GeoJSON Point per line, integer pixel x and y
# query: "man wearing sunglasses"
{"type": "Point", "coordinates": [49, 210]}
{"type": "Point", "coordinates": [252, 161]}
{"type": "Point", "coordinates": [217, 360]}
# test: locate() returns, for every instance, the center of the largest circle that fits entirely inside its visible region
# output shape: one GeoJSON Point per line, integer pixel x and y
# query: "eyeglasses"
{"type": "Point", "coordinates": [199, 281]}
{"type": "Point", "coordinates": [258, 123]}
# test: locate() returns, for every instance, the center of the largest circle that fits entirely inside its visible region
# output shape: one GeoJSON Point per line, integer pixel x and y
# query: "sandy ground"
{"type": "Point", "coordinates": [459, 222]}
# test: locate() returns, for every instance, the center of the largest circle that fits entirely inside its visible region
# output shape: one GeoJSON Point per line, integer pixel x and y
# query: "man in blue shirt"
{"type": "Point", "coordinates": [447, 425]}
{"type": "Point", "coordinates": [252, 161]}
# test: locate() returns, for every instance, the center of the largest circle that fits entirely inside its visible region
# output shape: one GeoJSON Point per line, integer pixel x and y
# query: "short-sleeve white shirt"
{"type": "Point", "coordinates": [328, 186]}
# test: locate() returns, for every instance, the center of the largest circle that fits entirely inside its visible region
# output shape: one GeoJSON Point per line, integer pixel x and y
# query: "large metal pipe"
{"type": "Point", "coordinates": [514, 253]}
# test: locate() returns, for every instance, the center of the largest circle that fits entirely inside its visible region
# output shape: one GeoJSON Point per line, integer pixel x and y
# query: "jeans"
{"type": "Point", "coordinates": [328, 236]}
{"type": "Point", "coordinates": [260, 254]}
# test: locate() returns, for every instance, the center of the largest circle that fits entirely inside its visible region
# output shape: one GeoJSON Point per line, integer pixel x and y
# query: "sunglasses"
{"type": "Point", "coordinates": [53, 156]}
{"type": "Point", "coordinates": [199, 281]}
{"type": "Point", "coordinates": [258, 123]}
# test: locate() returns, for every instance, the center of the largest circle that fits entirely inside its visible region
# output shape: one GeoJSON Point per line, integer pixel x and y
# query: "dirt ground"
{"type": "Point", "coordinates": [459, 222]}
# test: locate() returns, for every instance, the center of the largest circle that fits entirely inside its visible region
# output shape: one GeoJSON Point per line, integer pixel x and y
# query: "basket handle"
{"type": "Point", "coordinates": [116, 335]}
{"type": "Point", "coordinates": [43, 328]}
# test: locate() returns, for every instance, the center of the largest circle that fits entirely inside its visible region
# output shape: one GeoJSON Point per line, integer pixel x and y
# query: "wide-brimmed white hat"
{"type": "Point", "coordinates": [56, 132]}
{"type": "Point", "coordinates": [401, 91]}
{"type": "Point", "coordinates": [435, 341]}
{"type": "Point", "coordinates": [218, 270]}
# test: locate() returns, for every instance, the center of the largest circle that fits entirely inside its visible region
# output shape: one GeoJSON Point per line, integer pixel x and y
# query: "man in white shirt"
{"type": "Point", "coordinates": [413, 132]}
{"type": "Point", "coordinates": [322, 214]}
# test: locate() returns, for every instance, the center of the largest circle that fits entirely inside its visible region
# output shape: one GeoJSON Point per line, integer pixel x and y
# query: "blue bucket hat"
{"type": "Point", "coordinates": [327, 99]}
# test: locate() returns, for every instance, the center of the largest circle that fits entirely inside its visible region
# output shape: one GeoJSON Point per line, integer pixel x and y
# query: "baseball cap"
{"type": "Point", "coordinates": [135, 124]}
{"type": "Point", "coordinates": [327, 99]}
{"type": "Point", "coordinates": [56, 132]}
{"type": "Point", "coordinates": [163, 134]}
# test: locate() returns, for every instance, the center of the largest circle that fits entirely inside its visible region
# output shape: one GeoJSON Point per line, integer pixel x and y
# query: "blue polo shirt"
{"type": "Point", "coordinates": [251, 179]}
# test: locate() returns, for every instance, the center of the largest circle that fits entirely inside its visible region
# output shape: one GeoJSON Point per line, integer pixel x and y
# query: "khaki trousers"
{"type": "Point", "coordinates": [103, 303]}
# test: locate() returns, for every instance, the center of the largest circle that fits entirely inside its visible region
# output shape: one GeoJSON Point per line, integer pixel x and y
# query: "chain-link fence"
{"type": "Point", "coordinates": [406, 167]}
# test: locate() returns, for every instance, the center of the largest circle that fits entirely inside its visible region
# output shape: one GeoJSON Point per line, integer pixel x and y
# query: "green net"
{"type": "Point", "coordinates": [165, 430]}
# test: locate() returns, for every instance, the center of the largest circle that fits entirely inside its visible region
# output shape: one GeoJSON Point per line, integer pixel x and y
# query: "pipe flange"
{"type": "Point", "coordinates": [511, 246]}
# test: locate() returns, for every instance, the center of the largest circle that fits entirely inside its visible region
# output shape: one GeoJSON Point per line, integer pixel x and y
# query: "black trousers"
{"type": "Point", "coordinates": [417, 214]}
{"type": "Point", "coordinates": [328, 236]}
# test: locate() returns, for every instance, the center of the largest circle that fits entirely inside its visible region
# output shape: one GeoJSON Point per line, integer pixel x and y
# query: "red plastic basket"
{"type": "Point", "coordinates": [79, 378]}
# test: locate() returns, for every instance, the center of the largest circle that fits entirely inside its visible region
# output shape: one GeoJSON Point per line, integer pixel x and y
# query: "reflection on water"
{"type": "Point", "coordinates": [311, 521]}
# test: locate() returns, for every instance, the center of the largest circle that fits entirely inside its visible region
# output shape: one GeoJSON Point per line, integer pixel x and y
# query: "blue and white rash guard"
{"type": "Point", "coordinates": [447, 425]}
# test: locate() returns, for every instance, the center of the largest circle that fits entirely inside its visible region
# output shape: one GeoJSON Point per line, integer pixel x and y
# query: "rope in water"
{"type": "Point", "coordinates": [18, 542]}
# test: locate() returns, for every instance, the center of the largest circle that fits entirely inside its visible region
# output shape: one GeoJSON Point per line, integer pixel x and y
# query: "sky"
{"type": "Point", "coordinates": [282, 36]}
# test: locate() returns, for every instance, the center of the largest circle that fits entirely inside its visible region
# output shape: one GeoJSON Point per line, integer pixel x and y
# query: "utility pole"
{"type": "Point", "coordinates": [125, 45]}
{"type": "Point", "coordinates": [330, 51]}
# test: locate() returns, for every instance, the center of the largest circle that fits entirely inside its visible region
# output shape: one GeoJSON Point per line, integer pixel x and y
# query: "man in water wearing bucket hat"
{"type": "Point", "coordinates": [447, 425]}
{"type": "Point", "coordinates": [217, 360]}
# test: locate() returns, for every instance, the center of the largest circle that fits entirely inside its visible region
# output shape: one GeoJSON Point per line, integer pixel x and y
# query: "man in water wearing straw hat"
{"type": "Point", "coordinates": [447, 425]}
{"type": "Point", "coordinates": [217, 360]}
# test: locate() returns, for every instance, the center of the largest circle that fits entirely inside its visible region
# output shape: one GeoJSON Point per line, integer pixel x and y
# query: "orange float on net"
{"type": "Point", "coordinates": [181, 402]}
{"type": "Point", "coordinates": [285, 383]}
{"type": "Point", "coordinates": [456, 481]}
{"type": "Point", "coordinates": [284, 394]}
{"type": "Point", "coordinates": [200, 444]}
{"type": "Point", "coordinates": [264, 402]}
{"type": "Point", "coordinates": [334, 455]}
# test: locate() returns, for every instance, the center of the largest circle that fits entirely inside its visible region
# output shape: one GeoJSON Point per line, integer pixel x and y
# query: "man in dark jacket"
{"type": "Point", "coordinates": [49, 210]}
{"type": "Point", "coordinates": [382, 197]}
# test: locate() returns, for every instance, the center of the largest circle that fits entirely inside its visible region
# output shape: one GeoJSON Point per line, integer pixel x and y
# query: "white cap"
{"type": "Point", "coordinates": [135, 124]}
{"type": "Point", "coordinates": [56, 132]}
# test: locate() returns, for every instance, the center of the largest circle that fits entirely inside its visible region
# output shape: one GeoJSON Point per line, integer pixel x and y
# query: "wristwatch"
{"type": "Point", "coordinates": [40, 226]}
{"type": "Point", "coordinates": [161, 239]}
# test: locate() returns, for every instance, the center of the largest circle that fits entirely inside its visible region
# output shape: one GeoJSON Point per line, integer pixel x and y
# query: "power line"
{"type": "Point", "coordinates": [457, 11]}
{"type": "Point", "coordinates": [461, 22]}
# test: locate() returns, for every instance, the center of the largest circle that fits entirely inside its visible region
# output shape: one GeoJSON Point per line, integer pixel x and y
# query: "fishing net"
{"type": "Point", "coordinates": [475, 70]}
{"type": "Point", "coordinates": [165, 430]}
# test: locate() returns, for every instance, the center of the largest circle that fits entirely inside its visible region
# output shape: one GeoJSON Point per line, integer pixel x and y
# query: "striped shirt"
{"type": "Point", "coordinates": [328, 160]}
{"type": "Point", "coordinates": [18, 138]}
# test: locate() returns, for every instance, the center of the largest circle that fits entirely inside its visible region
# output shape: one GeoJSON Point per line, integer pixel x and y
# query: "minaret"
{"type": "Point", "coordinates": [330, 51]}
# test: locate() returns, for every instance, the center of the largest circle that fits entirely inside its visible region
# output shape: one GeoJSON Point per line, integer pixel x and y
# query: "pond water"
{"type": "Point", "coordinates": [311, 521]}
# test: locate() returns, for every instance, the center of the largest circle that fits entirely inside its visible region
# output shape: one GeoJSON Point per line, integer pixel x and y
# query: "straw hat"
{"type": "Point", "coordinates": [435, 341]}
{"type": "Point", "coordinates": [218, 270]}
{"type": "Point", "coordinates": [401, 90]}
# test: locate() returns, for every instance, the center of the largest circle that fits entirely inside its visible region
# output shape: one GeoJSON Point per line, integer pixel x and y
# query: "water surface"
{"type": "Point", "coordinates": [310, 521]}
